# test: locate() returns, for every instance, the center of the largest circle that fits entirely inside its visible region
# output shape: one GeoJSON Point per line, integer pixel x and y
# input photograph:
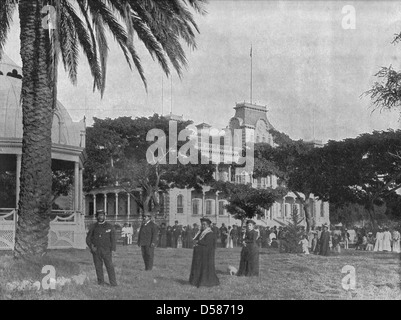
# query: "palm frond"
{"type": "Point", "coordinates": [7, 8]}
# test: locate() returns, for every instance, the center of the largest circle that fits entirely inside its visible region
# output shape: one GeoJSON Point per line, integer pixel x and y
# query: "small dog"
{"type": "Point", "coordinates": [232, 270]}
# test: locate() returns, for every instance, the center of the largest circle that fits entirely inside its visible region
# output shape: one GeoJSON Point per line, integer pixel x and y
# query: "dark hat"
{"type": "Point", "coordinates": [251, 221]}
{"type": "Point", "coordinates": [100, 212]}
{"type": "Point", "coordinates": [206, 220]}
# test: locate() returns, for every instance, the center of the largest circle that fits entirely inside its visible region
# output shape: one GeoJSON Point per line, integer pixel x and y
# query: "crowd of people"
{"type": "Point", "coordinates": [204, 240]}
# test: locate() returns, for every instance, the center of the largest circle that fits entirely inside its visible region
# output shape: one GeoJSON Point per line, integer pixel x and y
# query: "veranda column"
{"type": "Point", "coordinates": [105, 203]}
{"type": "Point", "coordinates": [17, 185]}
{"type": "Point", "coordinates": [216, 205]}
{"type": "Point", "coordinates": [81, 204]}
{"type": "Point", "coordinates": [203, 203]}
{"type": "Point", "coordinates": [116, 210]}
{"type": "Point", "coordinates": [76, 186]}
{"type": "Point", "coordinates": [229, 174]}
{"type": "Point", "coordinates": [128, 205]}
{"type": "Point", "coordinates": [94, 205]}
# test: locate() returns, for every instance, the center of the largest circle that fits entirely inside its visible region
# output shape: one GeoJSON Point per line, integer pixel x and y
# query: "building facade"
{"type": "Point", "coordinates": [249, 123]}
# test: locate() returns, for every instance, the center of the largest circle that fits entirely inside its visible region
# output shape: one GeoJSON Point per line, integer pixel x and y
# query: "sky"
{"type": "Point", "coordinates": [307, 69]}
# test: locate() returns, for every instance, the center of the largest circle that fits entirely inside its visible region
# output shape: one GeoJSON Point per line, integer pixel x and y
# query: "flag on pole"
{"type": "Point", "coordinates": [251, 52]}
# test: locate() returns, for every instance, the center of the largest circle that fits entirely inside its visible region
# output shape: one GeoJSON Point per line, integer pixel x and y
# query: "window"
{"type": "Point", "coordinates": [221, 208]}
{"type": "Point", "coordinates": [180, 206]}
{"type": "Point", "coordinates": [209, 207]}
{"type": "Point", "coordinates": [322, 209]}
{"type": "Point", "coordinates": [259, 183]}
{"type": "Point", "coordinates": [196, 206]}
{"type": "Point", "coordinates": [287, 209]}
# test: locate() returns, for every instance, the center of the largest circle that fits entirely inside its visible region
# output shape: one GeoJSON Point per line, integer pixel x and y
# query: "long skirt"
{"type": "Point", "coordinates": [396, 246]}
{"type": "Point", "coordinates": [249, 263]}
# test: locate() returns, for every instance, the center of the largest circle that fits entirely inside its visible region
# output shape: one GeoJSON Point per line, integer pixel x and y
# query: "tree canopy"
{"type": "Point", "coordinates": [117, 154]}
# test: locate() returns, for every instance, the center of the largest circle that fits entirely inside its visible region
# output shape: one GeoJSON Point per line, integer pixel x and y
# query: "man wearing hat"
{"type": "Point", "coordinates": [203, 272]}
{"type": "Point", "coordinates": [101, 240]}
{"type": "Point", "coordinates": [249, 263]}
{"type": "Point", "coordinates": [147, 239]}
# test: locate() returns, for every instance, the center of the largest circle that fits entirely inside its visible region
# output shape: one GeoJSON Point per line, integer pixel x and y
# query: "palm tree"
{"type": "Point", "coordinates": [159, 24]}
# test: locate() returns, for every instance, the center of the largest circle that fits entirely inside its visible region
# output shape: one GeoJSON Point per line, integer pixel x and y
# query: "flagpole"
{"type": "Point", "coordinates": [162, 96]}
{"type": "Point", "coordinates": [251, 75]}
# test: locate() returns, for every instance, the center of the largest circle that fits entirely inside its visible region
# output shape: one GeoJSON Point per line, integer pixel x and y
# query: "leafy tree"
{"type": "Point", "coordinates": [160, 25]}
{"type": "Point", "coordinates": [295, 163]}
{"type": "Point", "coordinates": [294, 232]}
{"type": "Point", "coordinates": [117, 154]}
{"type": "Point", "coordinates": [364, 170]}
{"type": "Point", "coordinates": [244, 201]}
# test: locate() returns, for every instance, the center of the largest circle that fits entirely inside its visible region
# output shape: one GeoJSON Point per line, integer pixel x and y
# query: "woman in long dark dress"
{"type": "Point", "coordinates": [203, 272]}
{"type": "Point", "coordinates": [249, 263]}
{"type": "Point", "coordinates": [163, 236]}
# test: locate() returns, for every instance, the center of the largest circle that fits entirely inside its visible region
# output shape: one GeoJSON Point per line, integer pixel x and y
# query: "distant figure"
{"type": "Point", "coordinates": [101, 240]}
{"type": "Point", "coordinates": [223, 235]}
{"type": "Point", "coordinates": [386, 240]}
{"type": "Point", "coordinates": [249, 263]}
{"type": "Point", "coordinates": [175, 233]}
{"type": "Point", "coordinates": [304, 244]}
{"type": "Point", "coordinates": [147, 239]}
{"type": "Point", "coordinates": [190, 237]}
{"type": "Point", "coordinates": [346, 239]}
{"type": "Point", "coordinates": [324, 241]}
{"type": "Point", "coordinates": [234, 236]}
{"type": "Point", "coordinates": [124, 234]}
{"type": "Point", "coordinates": [371, 242]}
{"type": "Point", "coordinates": [169, 236]}
{"type": "Point", "coordinates": [272, 236]}
{"type": "Point", "coordinates": [314, 242]}
{"type": "Point", "coordinates": [215, 230]}
{"type": "Point", "coordinates": [162, 236]}
{"type": "Point", "coordinates": [396, 241]}
{"type": "Point", "coordinates": [379, 240]}
{"type": "Point", "coordinates": [130, 233]}
{"type": "Point", "coordinates": [203, 272]}
{"type": "Point", "coordinates": [229, 238]}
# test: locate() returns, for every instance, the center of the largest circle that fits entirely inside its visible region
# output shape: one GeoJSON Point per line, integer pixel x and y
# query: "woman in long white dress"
{"type": "Point", "coordinates": [386, 240]}
{"type": "Point", "coordinates": [379, 240]}
{"type": "Point", "coordinates": [229, 238]}
{"type": "Point", "coordinates": [396, 241]}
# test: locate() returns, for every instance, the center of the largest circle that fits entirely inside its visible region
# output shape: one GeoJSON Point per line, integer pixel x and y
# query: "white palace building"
{"type": "Point", "coordinates": [187, 206]}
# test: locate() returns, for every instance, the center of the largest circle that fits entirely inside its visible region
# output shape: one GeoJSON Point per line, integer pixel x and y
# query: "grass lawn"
{"type": "Point", "coordinates": [282, 276]}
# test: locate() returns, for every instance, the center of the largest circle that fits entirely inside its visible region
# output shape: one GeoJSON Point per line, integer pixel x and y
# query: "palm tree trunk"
{"type": "Point", "coordinates": [37, 101]}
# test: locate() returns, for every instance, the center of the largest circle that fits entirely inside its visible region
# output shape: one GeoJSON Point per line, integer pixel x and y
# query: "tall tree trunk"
{"type": "Point", "coordinates": [308, 215]}
{"type": "Point", "coordinates": [37, 101]}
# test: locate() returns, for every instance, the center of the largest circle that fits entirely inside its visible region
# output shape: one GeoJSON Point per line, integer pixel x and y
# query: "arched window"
{"type": "Point", "coordinates": [180, 205]}
{"type": "Point", "coordinates": [196, 206]}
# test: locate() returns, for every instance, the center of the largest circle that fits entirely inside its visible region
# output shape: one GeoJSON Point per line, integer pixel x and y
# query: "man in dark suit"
{"type": "Point", "coordinates": [147, 239]}
{"type": "Point", "coordinates": [101, 240]}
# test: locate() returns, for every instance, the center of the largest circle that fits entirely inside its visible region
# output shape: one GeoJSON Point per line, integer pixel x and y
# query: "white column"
{"type": "Point", "coordinates": [76, 186]}
{"type": "Point", "coordinates": [229, 173]}
{"type": "Point", "coordinates": [94, 205]}
{"type": "Point", "coordinates": [81, 204]}
{"type": "Point", "coordinates": [217, 173]}
{"type": "Point", "coordinates": [217, 205]}
{"type": "Point", "coordinates": [116, 211]}
{"type": "Point", "coordinates": [17, 177]}
{"type": "Point", "coordinates": [105, 203]}
{"type": "Point", "coordinates": [203, 203]}
{"type": "Point", "coordinates": [128, 204]}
